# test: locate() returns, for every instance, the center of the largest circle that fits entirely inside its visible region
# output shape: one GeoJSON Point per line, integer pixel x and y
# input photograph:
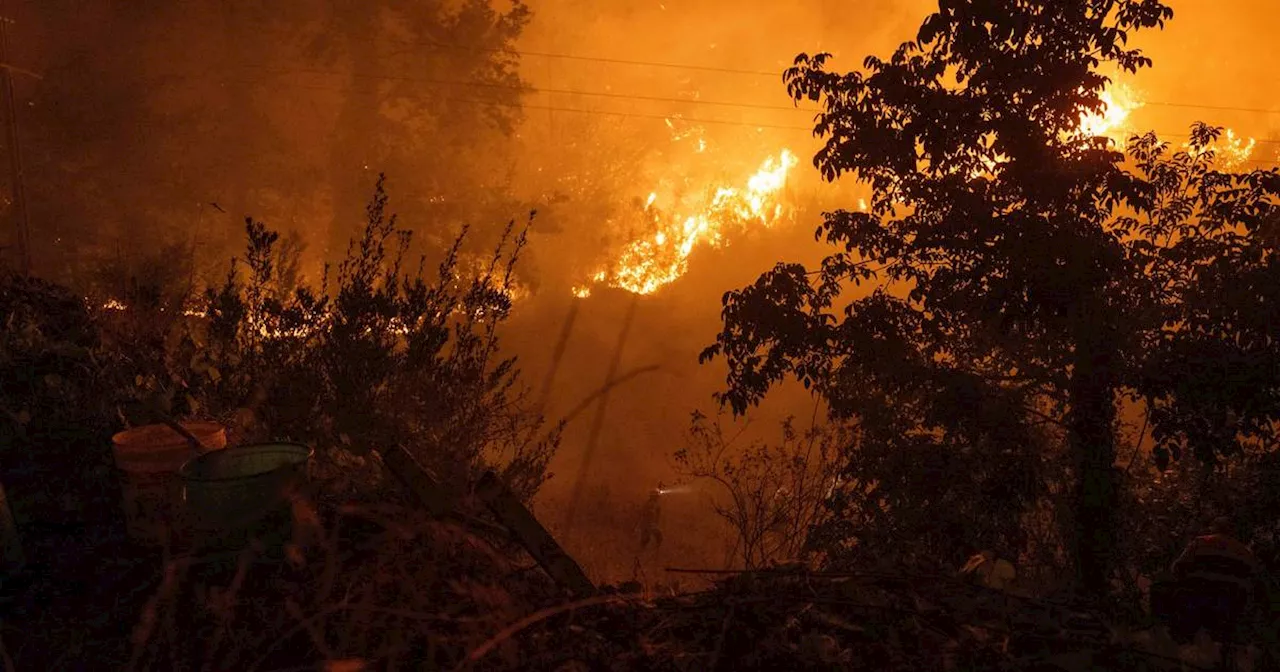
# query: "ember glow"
{"type": "Point", "coordinates": [648, 264]}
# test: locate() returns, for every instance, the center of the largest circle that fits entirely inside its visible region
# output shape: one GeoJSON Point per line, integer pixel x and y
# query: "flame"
{"type": "Point", "coordinates": [1112, 121]}
{"type": "Point", "coordinates": [1231, 151]}
{"type": "Point", "coordinates": [1118, 103]}
{"type": "Point", "coordinates": [650, 263]}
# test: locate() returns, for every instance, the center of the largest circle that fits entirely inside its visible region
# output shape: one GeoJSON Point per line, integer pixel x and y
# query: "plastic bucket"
{"type": "Point", "coordinates": [149, 458]}
{"type": "Point", "coordinates": [240, 490]}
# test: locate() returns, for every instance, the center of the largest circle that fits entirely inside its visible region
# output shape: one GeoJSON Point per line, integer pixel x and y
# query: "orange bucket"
{"type": "Point", "coordinates": [149, 458]}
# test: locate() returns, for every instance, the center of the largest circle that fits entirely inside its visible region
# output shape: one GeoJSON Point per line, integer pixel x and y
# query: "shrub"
{"type": "Point", "coordinates": [56, 414]}
{"type": "Point", "coordinates": [389, 357]}
{"type": "Point", "coordinates": [772, 494]}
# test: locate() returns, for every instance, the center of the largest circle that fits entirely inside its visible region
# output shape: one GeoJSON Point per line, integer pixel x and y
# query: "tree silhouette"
{"type": "Point", "coordinates": [432, 91]}
{"type": "Point", "coordinates": [1020, 270]}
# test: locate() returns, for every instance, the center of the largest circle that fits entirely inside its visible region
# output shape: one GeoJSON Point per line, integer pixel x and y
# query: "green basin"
{"type": "Point", "coordinates": [235, 487]}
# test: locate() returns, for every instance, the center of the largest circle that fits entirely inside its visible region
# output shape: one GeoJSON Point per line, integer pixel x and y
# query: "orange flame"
{"type": "Point", "coordinates": [1230, 151]}
{"type": "Point", "coordinates": [1118, 103]}
{"type": "Point", "coordinates": [649, 264]}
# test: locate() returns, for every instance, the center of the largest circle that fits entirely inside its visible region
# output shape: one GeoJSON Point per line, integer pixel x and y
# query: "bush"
{"type": "Point", "coordinates": [772, 495]}
{"type": "Point", "coordinates": [56, 413]}
{"type": "Point", "coordinates": [928, 499]}
{"type": "Point", "coordinates": [390, 357]}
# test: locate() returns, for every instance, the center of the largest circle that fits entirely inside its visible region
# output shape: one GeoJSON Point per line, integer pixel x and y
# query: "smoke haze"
{"type": "Point", "coordinates": [149, 127]}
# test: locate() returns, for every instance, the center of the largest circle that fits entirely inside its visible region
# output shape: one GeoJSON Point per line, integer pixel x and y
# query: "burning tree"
{"type": "Point", "coordinates": [1024, 277]}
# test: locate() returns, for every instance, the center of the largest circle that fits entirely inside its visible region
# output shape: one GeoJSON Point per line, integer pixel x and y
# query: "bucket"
{"type": "Point", "coordinates": [149, 458]}
{"type": "Point", "coordinates": [241, 491]}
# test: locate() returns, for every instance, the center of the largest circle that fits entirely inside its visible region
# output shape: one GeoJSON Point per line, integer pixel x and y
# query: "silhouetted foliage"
{"type": "Point", "coordinates": [770, 494]}
{"type": "Point", "coordinates": [286, 111]}
{"type": "Point", "coordinates": [1020, 272]}
{"type": "Point", "coordinates": [388, 356]}
{"type": "Point", "coordinates": [392, 356]}
{"type": "Point", "coordinates": [56, 407]}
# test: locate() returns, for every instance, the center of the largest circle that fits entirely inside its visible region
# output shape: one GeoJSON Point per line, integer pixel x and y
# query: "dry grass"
{"type": "Point", "coordinates": [381, 584]}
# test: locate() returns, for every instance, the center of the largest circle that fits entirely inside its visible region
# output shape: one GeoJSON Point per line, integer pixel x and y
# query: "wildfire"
{"type": "Point", "coordinates": [650, 263]}
{"type": "Point", "coordinates": [1118, 103]}
{"type": "Point", "coordinates": [1231, 151]}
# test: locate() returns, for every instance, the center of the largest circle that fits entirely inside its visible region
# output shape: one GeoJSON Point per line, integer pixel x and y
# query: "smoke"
{"type": "Point", "coordinates": [147, 113]}
{"type": "Point", "coordinates": [713, 69]}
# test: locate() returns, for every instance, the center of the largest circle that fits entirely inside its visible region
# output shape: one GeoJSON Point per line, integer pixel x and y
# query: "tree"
{"type": "Point", "coordinates": [433, 91]}
{"type": "Point", "coordinates": [1010, 254]}
{"type": "Point", "coordinates": [288, 110]}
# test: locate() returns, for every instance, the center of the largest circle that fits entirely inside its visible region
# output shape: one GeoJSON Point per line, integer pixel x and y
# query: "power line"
{"type": "Point", "coordinates": [593, 59]}
{"type": "Point", "coordinates": [612, 113]}
{"type": "Point", "coordinates": [554, 108]}
{"type": "Point", "coordinates": [1258, 110]}
{"type": "Point", "coordinates": [627, 96]}
{"type": "Point", "coordinates": [737, 71]}
{"type": "Point", "coordinates": [534, 89]}
{"type": "Point", "coordinates": [640, 115]}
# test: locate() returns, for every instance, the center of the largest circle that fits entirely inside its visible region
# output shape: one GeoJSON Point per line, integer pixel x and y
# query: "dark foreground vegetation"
{"type": "Point", "coordinates": [1066, 362]}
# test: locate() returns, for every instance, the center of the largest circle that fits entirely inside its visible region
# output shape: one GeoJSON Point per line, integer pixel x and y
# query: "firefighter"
{"type": "Point", "coordinates": [1213, 586]}
{"type": "Point", "coordinates": [649, 516]}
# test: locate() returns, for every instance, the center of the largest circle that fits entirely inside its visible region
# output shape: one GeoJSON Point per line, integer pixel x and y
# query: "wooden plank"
{"type": "Point", "coordinates": [423, 484]}
{"type": "Point", "coordinates": [532, 535]}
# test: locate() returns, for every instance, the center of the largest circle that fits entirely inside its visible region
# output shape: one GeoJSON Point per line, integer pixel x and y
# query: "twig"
{"type": "Point", "coordinates": [534, 618]}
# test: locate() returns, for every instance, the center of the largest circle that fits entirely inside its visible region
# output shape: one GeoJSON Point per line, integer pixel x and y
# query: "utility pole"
{"type": "Point", "coordinates": [21, 221]}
